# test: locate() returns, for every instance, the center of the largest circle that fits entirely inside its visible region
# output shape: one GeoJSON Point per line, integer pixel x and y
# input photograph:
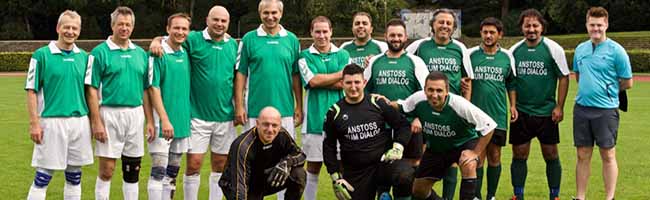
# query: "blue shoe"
{"type": "Point", "coordinates": [385, 196]}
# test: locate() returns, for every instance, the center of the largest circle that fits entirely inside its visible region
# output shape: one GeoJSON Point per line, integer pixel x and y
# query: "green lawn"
{"type": "Point", "coordinates": [633, 161]}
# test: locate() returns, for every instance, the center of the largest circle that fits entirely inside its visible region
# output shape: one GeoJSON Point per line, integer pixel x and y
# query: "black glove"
{"type": "Point", "coordinates": [278, 174]}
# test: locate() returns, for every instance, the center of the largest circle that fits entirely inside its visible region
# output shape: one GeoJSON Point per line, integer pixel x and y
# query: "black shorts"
{"type": "Point", "coordinates": [597, 125]}
{"type": "Point", "coordinates": [365, 180]}
{"type": "Point", "coordinates": [435, 164]}
{"type": "Point", "coordinates": [413, 149]}
{"type": "Point", "coordinates": [499, 137]}
{"type": "Point", "coordinates": [528, 127]}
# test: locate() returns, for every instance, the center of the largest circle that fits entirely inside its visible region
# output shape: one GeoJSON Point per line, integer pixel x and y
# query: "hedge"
{"type": "Point", "coordinates": [19, 61]}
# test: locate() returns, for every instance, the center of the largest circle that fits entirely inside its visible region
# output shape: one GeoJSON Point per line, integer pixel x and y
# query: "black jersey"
{"type": "Point", "coordinates": [361, 130]}
{"type": "Point", "coordinates": [248, 157]}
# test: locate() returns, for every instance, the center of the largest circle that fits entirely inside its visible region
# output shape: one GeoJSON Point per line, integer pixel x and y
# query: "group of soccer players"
{"type": "Point", "coordinates": [380, 115]}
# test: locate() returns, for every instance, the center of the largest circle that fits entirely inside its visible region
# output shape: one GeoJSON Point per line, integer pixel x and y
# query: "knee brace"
{"type": "Point", "coordinates": [131, 168]}
{"type": "Point", "coordinates": [172, 171]}
{"type": "Point", "coordinates": [73, 175]}
{"type": "Point", "coordinates": [42, 178]}
{"type": "Point", "coordinates": [157, 173]}
{"type": "Point", "coordinates": [173, 165]}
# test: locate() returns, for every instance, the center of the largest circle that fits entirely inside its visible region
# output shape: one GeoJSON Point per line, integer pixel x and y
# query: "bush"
{"type": "Point", "coordinates": [14, 61]}
{"type": "Point", "coordinates": [640, 60]}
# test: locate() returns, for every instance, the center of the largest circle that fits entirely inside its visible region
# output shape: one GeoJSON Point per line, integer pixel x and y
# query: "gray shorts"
{"type": "Point", "coordinates": [595, 124]}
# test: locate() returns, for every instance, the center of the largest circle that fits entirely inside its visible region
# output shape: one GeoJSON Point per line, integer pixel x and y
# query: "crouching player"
{"type": "Point", "coordinates": [57, 109]}
{"type": "Point", "coordinates": [358, 122]}
{"type": "Point", "coordinates": [450, 125]}
{"type": "Point", "coordinates": [170, 97]}
{"type": "Point", "coordinates": [264, 160]}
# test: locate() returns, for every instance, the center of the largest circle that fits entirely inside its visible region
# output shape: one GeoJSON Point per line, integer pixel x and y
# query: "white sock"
{"type": "Point", "coordinates": [71, 192]}
{"type": "Point", "coordinates": [215, 190]}
{"type": "Point", "coordinates": [281, 194]}
{"type": "Point", "coordinates": [191, 185]}
{"type": "Point", "coordinates": [36, 193]}
{"type": "Point", "coordinates": [154, 189]}
{"type": "Point", "coordinates": [102, 189]}
{"type": "Point", "coordinates": [130, 190]}
{"type": "Point", "coordinates": [168, 188]}
{"type": "Point", "coordinates": [311, 188]}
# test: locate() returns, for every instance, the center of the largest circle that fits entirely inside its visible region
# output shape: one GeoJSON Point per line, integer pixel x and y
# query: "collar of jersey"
{"type": "Point", "coordinates": [168, 49]}
{"type": "Point", "coordinates": [55, 50]}
{"type": "Point", "coordinates": [113, 46]}
{"type": "Point", "coordinates": [261, 32]}
{"type": "Point", "coordinates": [313, 49]}
{"type": "Point", "coordinates": [206, 35]}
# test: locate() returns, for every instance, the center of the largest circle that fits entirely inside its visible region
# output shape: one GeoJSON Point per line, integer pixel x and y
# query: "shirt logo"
{"type": "Point", "coordinates": [68, 60]}
{"type": "Point", "coordinates": [326, 59]}
{"type": "Point", "coordinates": [532, 50]}
{"type": "Point", "coordinates": [273, 42]}
{"type": "Point", "coordinates": [435, 113]}
{"type": "Point", "coordinates": [345, 117]}
{"type": "Point", "coordinates": [217, 47]}
{"type": "Point", "coordinates": [489, 57]}
{"type": "Point", "coordinates": [179, 60]}
{"type": "Point", "coordinates": [442, 47]}
{"type": "Point", "coordinates": [361, 49]}
{"type": "Point", "coordinates": [125, 56]}
{"type": "Point", "coordinates": [265, 147]}
{"type": "Point", "coordinates": [392, 62]}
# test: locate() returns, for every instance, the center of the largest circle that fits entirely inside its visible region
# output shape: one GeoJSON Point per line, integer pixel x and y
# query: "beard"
{"type": "Point", "coordinates": [397, 48]}
{"type": "Point", "coordinates": [531, 39]}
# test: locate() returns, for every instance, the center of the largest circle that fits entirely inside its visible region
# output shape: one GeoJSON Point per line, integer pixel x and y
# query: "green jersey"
{"type": "Point", "coordinates": [212, 75]}
{"type": "Point", "coordinates": [172, 76]}
{"type": "Point", "coordinates": [358, 54]}
{"type": "Point", "coordinates": [450, 59]}
{"type": "Point", "coordinates": [58, 79]}
{"type": "Point", "coordinates": [121, 75]}
{"type": "Point", "coordinates": [538, 69]}
{"type": "Point", "coordinates": [395, 78]}
{"type": "Point", "coordinates": [269, 62]}
{"type": "Point", "coordinates": [494, 75]}
{"type": "Point", "coordinates": [318, 100]}
{"type": "Point", "coordinates": [457, 122]}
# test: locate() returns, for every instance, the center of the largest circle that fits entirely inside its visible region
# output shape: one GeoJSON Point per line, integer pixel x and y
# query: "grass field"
{"type": "Point", "coordinates": [633, 159]}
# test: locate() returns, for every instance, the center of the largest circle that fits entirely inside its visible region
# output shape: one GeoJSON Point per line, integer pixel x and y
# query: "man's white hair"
{"type": "Point", "coordinates": [122, 10]}
{"type": "Point", "coordinates": [263, 4]}
{"type": "Point", "coordinates": [69, 13]}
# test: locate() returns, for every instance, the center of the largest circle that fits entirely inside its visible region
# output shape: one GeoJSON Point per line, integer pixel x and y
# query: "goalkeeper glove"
{"type": "Point", "coordinates": [341, 187]}
{"type": "Point", "coordinates": [394, 153]}
{"type": "Point", "coordinates": [278, 174]}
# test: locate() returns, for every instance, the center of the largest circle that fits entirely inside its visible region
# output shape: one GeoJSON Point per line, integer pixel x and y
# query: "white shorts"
{"type": "Point", "coordinates": [176, 145]}
{"type": "Point", "coordinates": [218, 135]}
{"type": "Point", "coordinates": [124, 131]}
{"type": "Point", "coordinates": [66, 141]}
{"type": "Point", "coordinates": [312, 145]}
{"type": "Point", "coordinates": [287, 123]}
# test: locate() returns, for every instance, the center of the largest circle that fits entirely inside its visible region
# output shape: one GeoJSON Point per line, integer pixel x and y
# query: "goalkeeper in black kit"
{"type": "Point", "coordinates": [263, 161]}
{"type": "Point", "coordinates": [358, 122]}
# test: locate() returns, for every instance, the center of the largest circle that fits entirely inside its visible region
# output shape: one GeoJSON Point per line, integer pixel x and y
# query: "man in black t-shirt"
{"type": "Point", "coordinates": [263, 161]}
{"type": "Point", "coordinates": [358, 122]}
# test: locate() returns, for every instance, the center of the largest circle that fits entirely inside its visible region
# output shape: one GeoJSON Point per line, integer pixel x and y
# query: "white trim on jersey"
{"type": "Point", "coordinates": [150, 71]}
{"type": "Point", "coordinates": [305, 72]}
{"type": "Point", "coordinates": [239, 49]}
{"type": "Point", "coordinates": [88, 80]}
{"type": "Point", "coordinates": [512, 60]}
{"type": "Point", "coordinates": [260, 31]}
{"type": "Point", "coordinates": [55, 50]}
{"type": "Point", "coordinates": [408, 105]}
{"type": "Point", "coordinates": [467, 61]}
{"type": "Point", "coordinates": [420, 69]}
{"type": "Point", "coordinates": [367, 73]}
{"type": "Point", "coordinates": [383, 46]}
{"type": "Point", "coordinates": [415, 45]}
{"type": "Point", "coordinates": [31, 75]}
{"type": "Point", "coordinates": [557, 52]}
{"type": "Point", "coordinates": [305, 108]}
{"type": "Point", "coordinates": [483, 123]}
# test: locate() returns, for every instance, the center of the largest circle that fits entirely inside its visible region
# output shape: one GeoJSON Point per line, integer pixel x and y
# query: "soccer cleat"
{"type": "Point", "coordinates": [385, 196]}
{"type": "Point", "coordinates": [514, 197]}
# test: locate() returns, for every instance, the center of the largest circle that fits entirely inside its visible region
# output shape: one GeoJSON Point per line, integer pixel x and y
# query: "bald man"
{"type": "Point", "coordinates": [213, 55]}
{"type": "Point", "coordinates": [264, 160]}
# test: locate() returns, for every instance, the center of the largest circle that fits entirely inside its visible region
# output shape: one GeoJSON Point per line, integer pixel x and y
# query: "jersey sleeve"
{"type": "Point", "coordinates": [466, 60]}
{"type": "Point", "coordinates": [622, 63]}
{"type": "Point", "coordinates": [157, 68]}
{"type": "Point", "coordinates": [558, 55]}
{"type": "Point", "coordinates": [239, 163]}
{"type": "Point", "coordinates": [330, 140]}
{"type": "Point", "coordinates": [306, 72]}
{"type": "Point", "coordinates": [242, 58]}
{"type": "Point", "coordinates": [510, 78]}
{"type": "Point", "coordinates": [94, 69]}
{"type": "Point", "coordinates": [367, 74]}
{"type": "Point", "coordinates": [147, 80]}
{"type": "Point", "coordinates": [33, 80]}
{"type": "Point", "coordinates": [421, 70]}
{"type": "Point", "coordinates": [408, 105]}
{"type": "Point", "coordinates": [413, 47]}
{"type": "Point", "coordinates": [383, 46]}
{"type": "Point", "coordinates": [396, 120]}
{"type": "Point", "coordinates": [483, 123]}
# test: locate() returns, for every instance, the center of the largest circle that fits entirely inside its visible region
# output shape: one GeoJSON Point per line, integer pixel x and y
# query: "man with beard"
{"type": "Point", "coordinates": [603, 70]}
{"type": "Point", "coordinates": [117, 72]}
{"type": "Point", "coordinates": [321, 67]}
{"type": "Point", "coordinates": [58, 115]}
{"type": "Point", "coordinates": [449, 56]}
{"type": "Point", "coordinates": [494, 75]}
{"type": "Point", "coordinates": [396, 74]}
{"type": "Point", "coordinates": [541, 63]}
{"type": "Point", "coordinates": [359, 123]}
{"type": "Point", "coordinates": [362, 47]}
{"type": "Point", "coordinates": [213, 54]}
